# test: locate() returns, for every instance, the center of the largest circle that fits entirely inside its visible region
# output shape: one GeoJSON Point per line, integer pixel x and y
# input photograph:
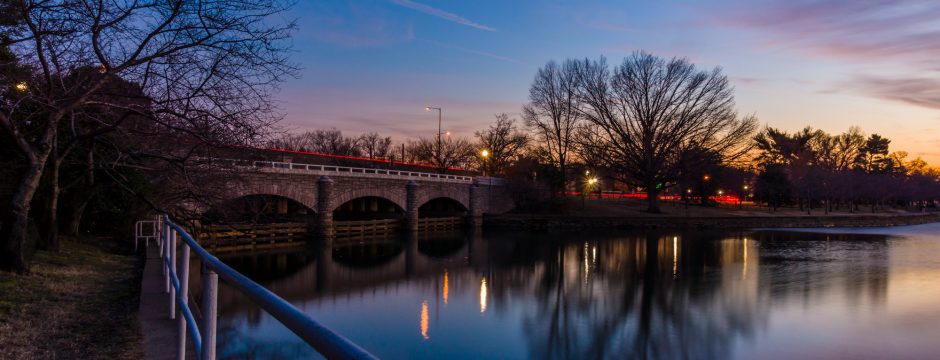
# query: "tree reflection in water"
{"type": "Point", "coordinates": [663, 296]}
{"type": "Point", "coordinates": [653, 295]}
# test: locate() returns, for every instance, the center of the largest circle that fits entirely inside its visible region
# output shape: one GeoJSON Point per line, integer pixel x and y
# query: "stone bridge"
{"type": "Point", "coordinates": [324, 188]}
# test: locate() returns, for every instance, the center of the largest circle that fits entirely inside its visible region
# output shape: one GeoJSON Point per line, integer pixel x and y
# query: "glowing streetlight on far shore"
{"type": "Point", "coordinates": [21, 86]}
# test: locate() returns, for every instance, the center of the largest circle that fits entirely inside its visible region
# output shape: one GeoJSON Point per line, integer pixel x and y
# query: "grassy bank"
{"type": "Point", "coordinates": [79, 303]}
{"type": "Point", "coordinates": [573, 214]}
{"type": "Point", "coordinates": [574, 206]}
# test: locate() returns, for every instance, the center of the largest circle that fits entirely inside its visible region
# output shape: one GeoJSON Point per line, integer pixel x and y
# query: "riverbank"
{"type": "Point", "coordinates": [607, 214]}
{"type": "Point", "coordinates": [79, 303]}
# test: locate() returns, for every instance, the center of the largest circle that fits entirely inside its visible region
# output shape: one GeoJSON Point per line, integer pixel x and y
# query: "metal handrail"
{"type": "Point", "coordinates": [139, 232]}
{"type": "Point", "coordinates": [322, 339]}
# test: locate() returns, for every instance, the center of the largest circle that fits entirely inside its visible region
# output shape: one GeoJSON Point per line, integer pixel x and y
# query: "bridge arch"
{"type": "Point", "coordinates": [257, 207]}
{"type": "Point", "coordinates": [300, 194]}
{"type": "Point", "coordinates": [442, 207]}
{"type": "Point", "coordinates": [459, 195]}
{"type": "Point", "coordinates": [396, 197]}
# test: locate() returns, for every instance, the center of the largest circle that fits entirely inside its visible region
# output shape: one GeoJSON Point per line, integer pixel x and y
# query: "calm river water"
{"type": "Point", "coordinates": [836, 294]}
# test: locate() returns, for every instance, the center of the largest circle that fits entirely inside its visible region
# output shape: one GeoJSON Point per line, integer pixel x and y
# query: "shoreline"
{"type": "Point", "coordinates": [542, 222]}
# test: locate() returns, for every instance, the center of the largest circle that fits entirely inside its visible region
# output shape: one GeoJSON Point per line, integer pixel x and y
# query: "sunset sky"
{"type": "Point", "coordinates": [374, 65]}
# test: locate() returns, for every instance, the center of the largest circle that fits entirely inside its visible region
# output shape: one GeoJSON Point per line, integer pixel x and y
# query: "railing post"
{"type": "Point", "coordinates": [163, 255]}
{"type": "Point", "coordinates": [210, 293]}
{"type": "Point", "coordinates": [184, 301]}
{"type": "Point", "coordinates": [172, 257]}
{"type": "Point", "coordinates": [136, 234]}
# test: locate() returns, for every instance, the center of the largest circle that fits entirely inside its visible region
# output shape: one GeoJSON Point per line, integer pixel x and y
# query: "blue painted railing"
{"type": "Point", "coordinates": [321, 338]}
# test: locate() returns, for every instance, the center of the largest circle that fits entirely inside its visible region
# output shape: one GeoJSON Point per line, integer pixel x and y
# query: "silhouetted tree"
{"type": "Point", "coordinates": [649, 110]}
{"type": "Point", "coordinates": [207, 70]}
{"type": "Point", "coordinates": [375, 146]}
{"type": "Point", "coordinates": [552, 112]}
{"type": "Point", "coordinates": [504, 143]}
{"type": "Point", "coordinates": [453, 152]}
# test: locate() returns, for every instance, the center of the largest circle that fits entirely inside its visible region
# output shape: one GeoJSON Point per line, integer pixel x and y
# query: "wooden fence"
{"type": "Point", "coordinates": [255, 236]}
{"type": "Point", "coordinates": [441, 223]}
{"type": "Point", "coordinates": [251, 236]}
{"type": "Point", "coordinates": [365, 227]}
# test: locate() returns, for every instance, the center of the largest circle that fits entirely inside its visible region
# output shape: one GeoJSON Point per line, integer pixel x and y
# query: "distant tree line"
{"type": "Point", "coordinates": [503, 141]}
{"type": "Point", "coordinates": [813, 168]}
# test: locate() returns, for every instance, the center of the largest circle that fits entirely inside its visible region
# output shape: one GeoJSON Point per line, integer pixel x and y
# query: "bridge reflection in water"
{"type": "Point", "coordinates": [465, 295]}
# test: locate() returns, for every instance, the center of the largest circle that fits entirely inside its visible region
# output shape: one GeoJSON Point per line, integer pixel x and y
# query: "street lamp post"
{"type": "Point", "coordinates": [484, 154]}
{"type": "Point", "coordinates": [743, 196]}
{"type": "Point", "coordinates": [440, 114]}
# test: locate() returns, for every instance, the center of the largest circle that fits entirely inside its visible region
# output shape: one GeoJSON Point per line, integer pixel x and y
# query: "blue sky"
{"type": "Point", "coordinates": [371, 65]}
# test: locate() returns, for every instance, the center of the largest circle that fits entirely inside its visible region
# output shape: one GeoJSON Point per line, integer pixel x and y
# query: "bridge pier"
{"type": "Point", "coordinates": [411, 202]}
{"type": "Point", "coordinates": [475, 212]}
{"type": "Point", "coordinates": [324, 228]}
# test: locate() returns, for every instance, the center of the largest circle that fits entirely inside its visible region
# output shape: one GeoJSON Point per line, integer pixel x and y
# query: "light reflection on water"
{"type": "Point", "coordinates": [658, 295]}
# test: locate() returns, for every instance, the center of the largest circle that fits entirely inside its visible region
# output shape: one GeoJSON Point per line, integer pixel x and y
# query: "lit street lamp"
{"type": "Point", "coordinates": [591, 183]}
{"type": "Point", "coordinates": [21, 86]}
{"type": "Point", "coordinates": [743, 196]}
{"type": "Point", "coordinates": [587, 188]}
{"type": "Point", "coordinates": [484, 154]}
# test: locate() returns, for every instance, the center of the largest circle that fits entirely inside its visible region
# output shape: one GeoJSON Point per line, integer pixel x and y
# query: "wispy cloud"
{"type": "Point", "coordinates": [862, 30]}
{"type": "Point", "coordinates": [897, 41]}
{"type": "Point", "coordinates": [357, 26]}
{"type": "Point", "coordinates": [923, 92]}
{"type": "Point", "coordinates": [449, 16]}
{"type": "Point", "coordinates": [475, 52]}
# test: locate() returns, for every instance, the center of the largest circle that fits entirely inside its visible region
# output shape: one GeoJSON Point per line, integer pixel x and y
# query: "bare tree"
{"type": "Point", "coordinates": [503, 142]}
{"type": "Point", "coordinates": [375, 146]}
{"type": "Point", "coordinates": [650, 110]}
{"type": "Point", "coordinates": [454, 152]}
{"type": "Point", "coordinates": [288, 141]}
{"type": "Point", "coordinates": [552, 112]}
{"type": "Point", "coordinates": [333, 142]}
{"type": "Point", "coordinates": [841, 152]}
{"type": "Point", "coordinates": [207, 70]}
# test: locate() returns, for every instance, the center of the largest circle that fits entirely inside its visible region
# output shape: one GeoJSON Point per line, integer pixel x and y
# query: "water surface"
{"type": "Point", "coordinates": [659, 295]}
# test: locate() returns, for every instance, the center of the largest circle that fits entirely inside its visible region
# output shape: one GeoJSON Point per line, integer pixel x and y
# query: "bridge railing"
{"type": "Point", "coordinates": [176, 272]}
{"type": "Point", "coordinates": [345, 169]}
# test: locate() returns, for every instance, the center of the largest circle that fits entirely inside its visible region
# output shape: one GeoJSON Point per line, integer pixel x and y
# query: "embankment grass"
{"type": "Point", "coordinates": [78, 303]}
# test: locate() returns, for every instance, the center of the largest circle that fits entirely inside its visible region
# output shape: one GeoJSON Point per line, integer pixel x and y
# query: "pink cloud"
{"type": "Point", "coordinates": [923, 92]}
{"type": "Point", "coordinates": [861, 30]}
{"type": "Point", "coordinates": [901, 38]}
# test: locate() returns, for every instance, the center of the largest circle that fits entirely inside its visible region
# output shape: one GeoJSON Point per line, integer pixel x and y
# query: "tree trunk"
{"type": "Point", "coordinates": [78, 210]}
{"type": "Point", "coordinates": [12, 255]}
{"type": "Point", "coordinates": [84, 197]}
{"type": "Point", "coordinates": [50, 239]}
{"type": "Point", "coordinates": [652, 200]}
